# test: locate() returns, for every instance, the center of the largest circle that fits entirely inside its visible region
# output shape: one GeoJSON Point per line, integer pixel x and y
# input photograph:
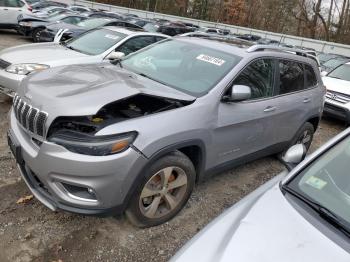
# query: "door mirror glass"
{"type": "Point", "coordinates": [115, 56]}
{"type": "Point", "coordinates": [240, 93]}
{"type": "Point", "coordinates": [294, 155]}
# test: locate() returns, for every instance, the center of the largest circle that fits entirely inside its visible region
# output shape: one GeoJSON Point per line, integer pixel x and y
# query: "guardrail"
{"type": "Point", "coordinates": [322, 46]}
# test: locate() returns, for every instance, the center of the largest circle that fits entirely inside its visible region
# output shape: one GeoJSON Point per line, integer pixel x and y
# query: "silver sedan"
{"type": "Point", "coordinates": [303, 215]}
{"type": "Point", "coordinates": [95, 46]}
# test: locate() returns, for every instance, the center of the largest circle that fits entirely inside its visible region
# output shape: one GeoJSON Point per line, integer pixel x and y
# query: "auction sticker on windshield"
{"type": "Point", "coordinates": [211, 59]}
{"type": "Point", "coordinates": [316, 182]}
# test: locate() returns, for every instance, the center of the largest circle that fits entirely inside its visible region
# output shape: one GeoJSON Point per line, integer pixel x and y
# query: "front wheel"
{"type": "Point", "coordinates": [164, 191]}
{"type": "Point", "coordinates": [36, 35]}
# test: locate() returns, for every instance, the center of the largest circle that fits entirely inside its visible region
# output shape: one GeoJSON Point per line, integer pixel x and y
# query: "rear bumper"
{"type": "Point", "coordinates": [337, 110]}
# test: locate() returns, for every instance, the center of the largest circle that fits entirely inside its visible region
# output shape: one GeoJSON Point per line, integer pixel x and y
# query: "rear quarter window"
{"type": "Point", "coordinates": [291, 77]}
{"type": "Point", "coordinates": [310, 77]}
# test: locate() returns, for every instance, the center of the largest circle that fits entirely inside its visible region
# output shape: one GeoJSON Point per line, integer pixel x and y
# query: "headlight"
{"type": "Point", "coordinates": [29, 24]}
{"type": "Point", "coordinates": [93, 145]}
{"type": "Point", "coordinates": [25, 69]}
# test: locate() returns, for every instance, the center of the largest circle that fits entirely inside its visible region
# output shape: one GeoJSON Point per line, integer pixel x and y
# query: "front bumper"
{"type": "Point", "coordinates": [9, 82]}
{"type": "Point", "coordinates": [46, 169]}
{"type": "Point", "coordinates": [24, 30]}
{"type": "Point", "coordinates": [337, 110]}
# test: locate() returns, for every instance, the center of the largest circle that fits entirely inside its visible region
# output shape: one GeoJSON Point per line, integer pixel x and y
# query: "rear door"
{"type": "Point", "coordinates": [293, 101]}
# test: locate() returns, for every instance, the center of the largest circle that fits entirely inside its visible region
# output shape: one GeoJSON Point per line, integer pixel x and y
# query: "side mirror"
{"type": "Point", "coordinates": [324, 73]}
{"type": "Point", "coordinates": [115, 56]}
{"type": "Point", "coordinates": [239, 93]}
{"type": "Point", "coordinates": [294, 156]}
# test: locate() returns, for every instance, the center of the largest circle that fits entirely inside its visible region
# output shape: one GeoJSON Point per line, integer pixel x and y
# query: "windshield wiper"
{"type": "Point", "coordinates": [324, 212]}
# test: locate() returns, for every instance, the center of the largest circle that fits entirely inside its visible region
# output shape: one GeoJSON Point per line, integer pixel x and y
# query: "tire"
{"type": "Point", "coordinates": [160, 202]}
{"type": "Point", "coordinates": [307, 130]}
{"type": "Point", "coordinates": [36, 35]}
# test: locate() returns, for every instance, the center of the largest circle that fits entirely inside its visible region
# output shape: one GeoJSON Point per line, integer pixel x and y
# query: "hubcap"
{"type": "Point", "coordinates": [163, 192]}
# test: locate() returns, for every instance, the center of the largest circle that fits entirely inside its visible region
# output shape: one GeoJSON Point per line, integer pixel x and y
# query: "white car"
{"type": "Point", "coordinates": [10, 10]}
{"type": "Point", "coordinates": [102, 44]}
{"type": "Point", "coordinates": [337, 83]}
{"type": "Point", "coordinates": [295, 217]}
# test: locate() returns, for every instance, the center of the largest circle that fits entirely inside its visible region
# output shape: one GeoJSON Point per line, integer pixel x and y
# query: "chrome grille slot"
{"type": "Point", "coordinates": [4, 64]}
{"type": "Point", "coordinates": [32, 119]}
{"type": "Point", "coordinates": [341, 98]}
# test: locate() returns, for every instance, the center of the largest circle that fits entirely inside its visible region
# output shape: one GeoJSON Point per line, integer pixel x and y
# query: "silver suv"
{"type": "Point", "coordinates": [137, 135]}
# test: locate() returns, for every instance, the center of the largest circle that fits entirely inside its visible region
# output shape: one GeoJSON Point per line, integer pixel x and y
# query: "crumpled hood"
{"type": "Point", "coordinates": [337, 85]}
{"type": "Point", "coordinates": [83, 89]}
{"type": "Point", "coordinates": [271, 230]}
{"type": "Point", "coordinates": [42, 53]}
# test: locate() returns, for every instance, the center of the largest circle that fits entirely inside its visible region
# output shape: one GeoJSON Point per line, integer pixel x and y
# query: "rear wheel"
{"type": "Point", "coordinates": [164, 191]}
{"type": "Point", "coordinates": [36, 34]}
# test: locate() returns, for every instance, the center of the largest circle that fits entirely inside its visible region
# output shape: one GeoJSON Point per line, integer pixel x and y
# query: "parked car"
{"type": "Point", "coordinates": [334, 63]}
{"type": "Point", "coordinates": [138, 134]}
{"type": "Point", "coordinates": [250, 37]}
{"type": "Point", "coordinates": [211, 30]}
{"type": "Point", "coordinates": [174, 28]}
{"type": "Point", "coordinates": [290, 218]}
{"type": "Point", "coordinates": [324, 57]}
{"type": "Point", "coordinates": [338, 93]}
{"type": "Point", "coordinates": [73, 31]}
{"type": "Point", "coordinates": [45, 12]}
{"type": "Point", "coordinates": [92, 47]}
{"type": "Point", "coordinates": [43, 4]}
{"type": "Point", "coordinates": [267, 41]}
{"type": "Point", "coordinates": [10, 10]}
{"type": "Point", "coordinates": [105, 14]}
{"type": "Point", "coordinates": [33, 26]}
{"type": "Point", "coordinates": [80, 9]}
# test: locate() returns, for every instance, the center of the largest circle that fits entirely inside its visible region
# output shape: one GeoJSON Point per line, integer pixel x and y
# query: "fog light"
{"type": "Point", "coordinates": [80, 192]}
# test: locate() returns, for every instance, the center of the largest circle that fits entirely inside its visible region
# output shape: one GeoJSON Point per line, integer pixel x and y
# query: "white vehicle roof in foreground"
{"type": "Point", "coordinates": [131, 31]}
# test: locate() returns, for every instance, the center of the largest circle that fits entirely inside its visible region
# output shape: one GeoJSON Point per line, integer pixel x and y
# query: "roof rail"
{"type": "Point", "coordinates": [256, 48]}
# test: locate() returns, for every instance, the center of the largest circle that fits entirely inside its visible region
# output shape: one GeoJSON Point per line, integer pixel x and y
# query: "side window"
{"type": "Point", "coordinates": [291, 77]}
{"type": "Point", "coordinates": [259, 77]}
{"type": "Point", "coordinates": [134, 44]}
{"type": "Point", "coordinates": [13, 3]}
{"type": "Point", "coordinates": [159, 38]}
{"type": "Point", "coordinates": [310, 76]}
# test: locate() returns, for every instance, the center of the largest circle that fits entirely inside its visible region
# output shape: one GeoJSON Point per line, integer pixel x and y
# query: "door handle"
{"type": "Point", "coordinates": [306, 100]}
{"type": "Point", "coordinates": [5, 9]}
{"type": "Point", "coordinates": [270, 109]}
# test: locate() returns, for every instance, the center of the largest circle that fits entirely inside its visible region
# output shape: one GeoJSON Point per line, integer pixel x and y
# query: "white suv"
{"type": "Point", "coordinates": [10, 10]}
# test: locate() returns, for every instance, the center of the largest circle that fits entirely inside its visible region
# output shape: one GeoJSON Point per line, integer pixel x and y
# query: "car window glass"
{"type": "Point", "coordinates": [341, 72]}
{"type": "Point", "coordinates": [72, 20]}
{"type": "Point", "coordinates": [291, 77]}
{"type": "Point", "coordinates": [13, 3]}
{"type": "Point", "coordinates": [135, 44]}
{"type": "Point", "coordinates": [259, 77]}
{"type": "Point", "coordinates": [311, 79]}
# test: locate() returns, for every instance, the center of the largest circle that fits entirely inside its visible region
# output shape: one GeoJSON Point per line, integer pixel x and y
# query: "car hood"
{"type": "Point", "coordinates": [337, 85]}
{"type": "Point", "coordinates": [84, 89]}
{"type": "Point", "coordinates": [262, 229]}
{"type": "Point", "coordinates": [27, 18]}
{"type": "Point", "coordinates": [42, 53]}
{"type": "Point", "coordinates": [62, 25]}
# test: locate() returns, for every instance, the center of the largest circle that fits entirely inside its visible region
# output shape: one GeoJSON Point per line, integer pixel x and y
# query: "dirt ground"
{"type": "Point", "coordinates": [31, 232]}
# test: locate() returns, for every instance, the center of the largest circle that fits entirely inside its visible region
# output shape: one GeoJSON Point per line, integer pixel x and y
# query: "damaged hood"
{"type": "Point", "coordinates": [263, 228]}
{"type": "Point", "coordinates": [83, 89]}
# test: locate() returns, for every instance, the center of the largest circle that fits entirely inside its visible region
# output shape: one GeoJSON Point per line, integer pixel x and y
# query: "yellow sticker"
{"type": "Point", "coordinates": [316, 182]}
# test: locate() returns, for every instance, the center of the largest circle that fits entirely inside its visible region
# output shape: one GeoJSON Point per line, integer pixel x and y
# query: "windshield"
{"type": "Point", "coordinates": [333, 63]}
{"type": "Point", "coordinates": [341, 72]}
{"type": "Point", "coordinates": [93, 23]}
{"type": "Point", "coordinates": [188, 67]}
{"type": "Point", "coordinates": [96, 42]}
{"type": "Point", "coordinates": [327, 181]}
{"type": "Point", "coordinates": [56, 17]}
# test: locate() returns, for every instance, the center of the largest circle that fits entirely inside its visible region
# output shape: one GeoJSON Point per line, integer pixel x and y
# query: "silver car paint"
{"type": "Point", "coordinates": [53, 55]}
{"type": "Point", "coordinates": [265, 227]}
{"type": "Point", "coordinates": [84, 89]}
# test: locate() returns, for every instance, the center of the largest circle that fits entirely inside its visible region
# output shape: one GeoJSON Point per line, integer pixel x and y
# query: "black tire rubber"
{"type": "Point", "coordinates": [34, 35]}
{"type": "Point", "coordinates": [176, 158]}
{"type": "Point", "coordinates": [306, 127]}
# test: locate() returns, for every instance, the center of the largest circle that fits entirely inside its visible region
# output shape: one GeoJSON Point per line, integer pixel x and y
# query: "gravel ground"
{"type": "Point", "coordinates": [31, 232]}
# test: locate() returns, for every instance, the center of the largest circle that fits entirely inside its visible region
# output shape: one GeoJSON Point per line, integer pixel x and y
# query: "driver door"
{"type": "Point", "coordinates": [243, 127]}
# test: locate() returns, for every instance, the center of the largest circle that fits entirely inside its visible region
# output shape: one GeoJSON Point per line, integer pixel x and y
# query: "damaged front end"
{"type": "Point", "coordinates": [77, 134]}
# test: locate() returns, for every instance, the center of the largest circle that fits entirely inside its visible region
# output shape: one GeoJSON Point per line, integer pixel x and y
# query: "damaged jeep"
{"type": "Point", "coordinates": [136, 135]}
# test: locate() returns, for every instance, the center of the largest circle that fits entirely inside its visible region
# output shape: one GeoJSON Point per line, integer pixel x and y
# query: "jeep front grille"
{"type": "Point", "coordinates": [4, 64]}
{"type": "Point", "coordinates": [31, 118]}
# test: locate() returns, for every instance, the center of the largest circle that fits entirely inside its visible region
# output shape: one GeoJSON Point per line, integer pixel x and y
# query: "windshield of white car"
{"type": "Point", "coordinates": [333, 63]}
{"type": "Point", "coordinates": [191, 68]}
{"type": "Point", "coordinates": [93, 23]}
{"type": "Point", "coordinates": [342, 72]}
{"type": "Point", "coordinates": [95, 42]}
{"type": "Point", "coordinates": [326, 182]}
